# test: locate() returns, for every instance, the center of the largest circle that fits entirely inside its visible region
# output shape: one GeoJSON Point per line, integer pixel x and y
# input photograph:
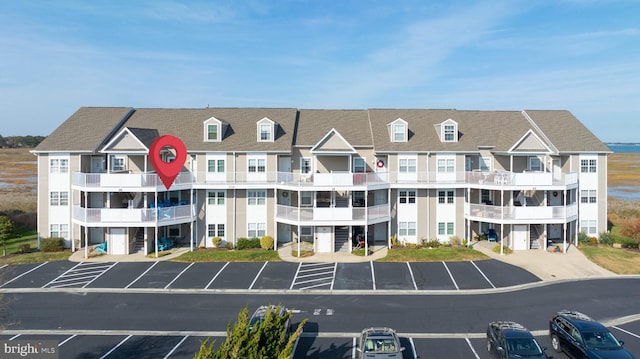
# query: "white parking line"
{"type": "Point", "coordinates": [15, 336]}
{"type": "Point", "coordinates": [216, 276]}
{"type": "Point", "coordinates": [373, 275]}
{"type": "Point", "coordinates": [140, 276]}
{"type": "Point", "coordinates": [413, 348]}
{"type": "Point", "coordinates": [98, 276]}
{"type": "Point", "coordinates": [258, 275]}
{"type": "Point", "coordinates": [353, 348]}
{"type": "Point", "coordinates": [66, 340]}
{"type": "Point", "coordinates": [178, 276]}
{"type": "Point", "coordinates": [177, 345]}
{"type": "Point", "coordinates": [485, 277]}
{"type": "Point", "coordinates": [626, 331]}
{"type": "Point", "coordinates": [4, 266]}
{"type": "Point", "coordinates": [116, 347]}
{"type": "Point", "coordinates": [62, 275]}
{"type": "Point", "coordinates": [415, 286]}
{"type": "Point", "coordinates": [471, 347]}
{"type": "Point", "coordinates": [27, 272]}
{"type": "Point", "coordinates": [335, 268]}
{"type": "Point", "coordinates": [315, 274]}
{"type": "Point", "coordinates": [295, 276]}
{"type": "Point", "coordinates": [450, 275]}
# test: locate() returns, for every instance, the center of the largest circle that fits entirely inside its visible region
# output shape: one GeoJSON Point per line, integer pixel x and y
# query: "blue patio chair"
{"type": "Point", "coordinates": [491, 235]}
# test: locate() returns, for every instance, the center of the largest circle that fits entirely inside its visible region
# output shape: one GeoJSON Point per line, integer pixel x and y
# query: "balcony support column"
{"type": "Point", "coordinates": [86, 242]}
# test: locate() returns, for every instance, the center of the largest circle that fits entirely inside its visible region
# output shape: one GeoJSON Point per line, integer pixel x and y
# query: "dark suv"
{"type": "Point", "coordinates": [582, 337]}
{"type": "Point", "coordinates": [506, 340]}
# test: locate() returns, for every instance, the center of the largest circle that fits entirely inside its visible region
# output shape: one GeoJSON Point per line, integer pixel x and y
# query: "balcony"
{"type": "Point", "coordinates": [331, 213]}
{"type": "Point", "coordinates": [519, 214]}
{"type": "Point", "coordinates": [117, 181]}
{"type": "Point", "coordinates": [119, 217]}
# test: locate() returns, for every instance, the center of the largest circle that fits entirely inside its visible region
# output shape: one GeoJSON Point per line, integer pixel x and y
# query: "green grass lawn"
{"type": "Point", "coordinates": [619, 261]}
{"type": "Point", "coordinates": [29, 237]}
{"type": "Point", "coordinates": [433, 255]}
{"type": "Point", "coordinates": [245, 255]}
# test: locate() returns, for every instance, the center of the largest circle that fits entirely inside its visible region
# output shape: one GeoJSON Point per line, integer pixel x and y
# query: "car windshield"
{"type": "Point", "coordinates": [600, 340]}
{"type": "Point", "coordinates": [381, 345]}
{"type": "Point", "coordinates": [524, 347]}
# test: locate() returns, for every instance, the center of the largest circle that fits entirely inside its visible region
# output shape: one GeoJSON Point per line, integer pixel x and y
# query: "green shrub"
{"type": "Point", "coordinates": [246, 243]}
{"type": "Point", "coordinates": [505, 250]}
{"type": "Point", "coordinates": [434, 243]}
{"type": "Point", "coordinates": [394, 241]}
{"type": "Point", "coordinates": [229, 245]}
{"type": "Point", "coordinates": [217, 241]}
{"type": "Point", "coordinates": [583, 238]}
{"type": "Point", "coordinates": [24, 248]}
{"type": "Point", "coordinates": [606, 238]}
{"type": "Point", "coordinates": [267, 242]}
{"type": "Point", "coordinates": [53, 244]}
{"type": "Point", "coordinates": [454, 241]}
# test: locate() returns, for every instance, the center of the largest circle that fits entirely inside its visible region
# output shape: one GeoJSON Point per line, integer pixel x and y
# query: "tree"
{"type": "Point", "coordinates": [268, 339]}
{"type": "Point", "coordinates": [6, 232]}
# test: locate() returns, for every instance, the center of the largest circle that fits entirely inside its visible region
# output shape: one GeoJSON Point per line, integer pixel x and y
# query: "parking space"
{"type": "Point", "coordinates": [353, 276]}
{"type": "Point", "coordinates": [267, 275]}
{"type": "Point", "coordinates": [630, 334]}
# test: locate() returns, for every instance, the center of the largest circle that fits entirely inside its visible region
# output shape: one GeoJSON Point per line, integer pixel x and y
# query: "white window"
{"type": "Point", "coordinates": [59, 231]}
{"type": "Point", "coordinates": [306, 198]}
{"type": "Point", "coordinates": [215, 230]}
{"type": "Point", "coordinates": [58, 165]}
{"type": "Point", "coordinates": [256, 230]}
{"type": "Point", "coordinates": [174, 231]}
{"type": "Point", "coordinates": [445, 228]}
{"type": "Point", "coordinates": [405, 196]}
{"type": "Point", "coordinates": [215, 197]}
{"type": "Point", "coordinates": [256, 198]}
{"type": "Point", "coordinates": [449, 133]}
{"type": "Point", "coordinates": [305, 165]}
{"type": "Point", "coordinates": [535, 164]}
{"type": "Point", "coordinates": [359, 165]}
{"type": "Point", "coordinates": [588, 196]}
{"type": "Point", "coordinates": [257, 165]}
{"type": "Point", "coordinates": [213, 132]}
{"type": "Point", "coordinates": [118, 164]}
{"type": "Point", "coordinates": [399, 132]}
{"type": "Point", "coordinates": [588, 166]}
{"type": "Point", "coordinates": [59, 198]}
{"type": "Point", "coordinates": [588, 227]}
{"type": "Point", "coordinates": [408, 165]}
{"type": "Point", "coordinates": [215, 166]}
{"type": "Point", "coordinates": [265, 132]}
{"type": "Point", "coordinates": [446, 165]}
{"type": "Point", "coordinates": [485, 164]}
{"type": "Point", "coordinates": [306, 232]}
{"type": "Point", "coordinates": [407, 228]}
{"type": "Point", "coordinates": [445, 197]}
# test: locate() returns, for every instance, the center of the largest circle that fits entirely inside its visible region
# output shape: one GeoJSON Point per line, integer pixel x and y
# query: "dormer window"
{"type": "Point", "coordinates": [448, 131]}
{"type": "Point", "coordinates": [266, 130]}
{"type": "Point", "coordinates": [398, 130]}
{"type": "Point", "coordinates": [213, 130]}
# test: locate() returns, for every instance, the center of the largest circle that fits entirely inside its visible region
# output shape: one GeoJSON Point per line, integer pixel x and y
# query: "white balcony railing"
{"type": "Point", "coordinates": [131, 215]}
{"type": "Point", "coordinates": [521, 213]}
{"type": "Point", "coordinates": [331, 213]}
{"type": "Point", "coordinates": [126, 180]}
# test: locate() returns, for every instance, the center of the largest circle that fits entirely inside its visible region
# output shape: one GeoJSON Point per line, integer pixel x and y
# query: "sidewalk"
{"type": "Point", "coordinates": [547, 265]}
{"type": "Point", "coordinates": [378, 251]}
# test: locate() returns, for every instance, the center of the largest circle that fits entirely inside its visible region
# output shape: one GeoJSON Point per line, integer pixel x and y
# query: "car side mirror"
{"type": "Point", "coordinates": [358, 349]}
{"type": "Point", "coordinates": [621, 342]}
{"type": "Point", "coordinates": [500, 349]}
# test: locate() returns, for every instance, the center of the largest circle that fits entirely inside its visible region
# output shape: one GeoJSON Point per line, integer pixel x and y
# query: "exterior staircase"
{"type": "Point", "coordinates": [534, 237]}
{"type": "Point", "coordinates": [342, 239]}
{"type": "Point", "coordinates": [139, 247]}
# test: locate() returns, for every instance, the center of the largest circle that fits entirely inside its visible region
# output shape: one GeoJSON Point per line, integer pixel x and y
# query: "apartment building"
{"type": "Point", "coordinates": [322, 176]}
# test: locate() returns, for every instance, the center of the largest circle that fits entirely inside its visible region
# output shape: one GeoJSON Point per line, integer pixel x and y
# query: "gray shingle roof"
{"type": "Point", "coordinates": [91, 127]}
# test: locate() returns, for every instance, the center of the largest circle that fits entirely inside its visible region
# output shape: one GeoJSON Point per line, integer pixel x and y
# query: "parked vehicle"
{"type": "Point", "coordinates": [507, 340]}
{"type": "Point", "coordinates": [379, 343]}
{"type": "Point", "coordinates": [260, 313]}
{"type": "Point", "coordinates": [579, 336]}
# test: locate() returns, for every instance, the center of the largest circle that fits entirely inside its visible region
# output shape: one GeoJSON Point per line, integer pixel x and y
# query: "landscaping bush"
{"type": "Point", "coordinates": [454, 241]}
{"type": "Point", "coordinates": [606, 238]}
{"type": "Point", "coordinates": [53, 244]}
{"type": "Point", "coordinates": [628, 243]}
{"type": "Point", "coordinates": [246, 243]}
{"type": "Point", "coordinates": [24, 248]}
{"type": "Point", "coordinates": [217, 241]}
{"type": "Point", "coordinates": [267, 242]}
{"type": "Point", "coordinates": [394, 241]}
{"type": "Point", "coordinates": [583, 238]}
{"type": "Point", "coordinates": [434, 243]}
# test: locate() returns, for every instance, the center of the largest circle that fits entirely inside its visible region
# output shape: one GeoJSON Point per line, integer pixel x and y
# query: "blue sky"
{"type": "Point", "coordinates": [578, 55]}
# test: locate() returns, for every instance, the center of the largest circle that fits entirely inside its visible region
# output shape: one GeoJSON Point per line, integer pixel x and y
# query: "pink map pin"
{"type": "Point", "coordinates": [167, 171]}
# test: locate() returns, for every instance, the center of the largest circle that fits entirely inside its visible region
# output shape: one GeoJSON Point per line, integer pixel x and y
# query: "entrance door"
{"type": "Point", "coordinates": [97, 164]}
{"type": "Point", "coordinates": [118, 241]}
{"type": "Point", "coordinates": [520, 237]}
{"type": "Point", "coordinates": [324, 240]}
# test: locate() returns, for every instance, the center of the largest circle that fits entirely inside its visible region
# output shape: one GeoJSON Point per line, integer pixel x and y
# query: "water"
{"type": "Point", "coordinates": [625, 148]}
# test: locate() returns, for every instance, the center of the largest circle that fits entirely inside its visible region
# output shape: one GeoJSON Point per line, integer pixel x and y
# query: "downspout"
{"type": "Point", "coordinates": [235, 194]}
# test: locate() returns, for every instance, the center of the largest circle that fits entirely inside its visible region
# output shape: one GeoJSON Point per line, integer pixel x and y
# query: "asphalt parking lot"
{"type": "Point", "coordinates": [463, 346]}
{"type": "Point", "coordinates": [375, 276]}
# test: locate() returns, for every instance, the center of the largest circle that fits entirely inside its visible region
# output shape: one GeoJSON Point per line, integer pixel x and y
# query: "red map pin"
{"type": "Point", "coordinates": [167, 171]}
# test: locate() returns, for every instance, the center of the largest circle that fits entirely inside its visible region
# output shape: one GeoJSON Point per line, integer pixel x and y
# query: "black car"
{"type": "Point", "coordinates": [579, 336]}
{"type": "Point", "coordinates": [258, 316]}
{"type": "Point", "coordinates": [508, 340]}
